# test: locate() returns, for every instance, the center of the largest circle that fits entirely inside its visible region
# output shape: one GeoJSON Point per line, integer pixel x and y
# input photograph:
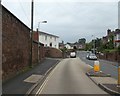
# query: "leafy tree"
{"type": "Point", "coordinates": [110, 44]}
{"type": "Point", "coordinates": [82, 41]}
{"type": "Point", "coordinates": [118, 49]}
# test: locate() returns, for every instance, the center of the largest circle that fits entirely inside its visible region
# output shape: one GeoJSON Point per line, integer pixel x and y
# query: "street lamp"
{"type": "Point", "coordinates": [38, 35]}
{"type": "Point", "coordinates": [31, 31]}
{"type": "Point", "coordinates": [93, 44]}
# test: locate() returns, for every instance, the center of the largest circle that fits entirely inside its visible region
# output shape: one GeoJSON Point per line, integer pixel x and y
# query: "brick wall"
{"type": "Point", "coordinates": [41, 53]}
{"type": "Point", "coordinates": [35, 52]}
{"type": "Point", "coordinates": [53, 52]}
{"type": "Point", "coordinates": [114, 56]}
{"type": "Point", "coordinates": [15, 45]}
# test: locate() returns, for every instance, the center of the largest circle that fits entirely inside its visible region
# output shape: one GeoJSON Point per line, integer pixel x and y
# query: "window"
{"type": "Point", "coordinates": [46, 37]}
{"type": "Point", "coordinates": [118, 36]}
{"type": "Point", "coordinates": [55, 38]}
{"type": "Point", "coordinates": [45, 45]}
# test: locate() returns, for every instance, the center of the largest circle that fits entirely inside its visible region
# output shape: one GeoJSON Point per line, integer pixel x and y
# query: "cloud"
{"type": "Point", "coordinates": [70, 20]}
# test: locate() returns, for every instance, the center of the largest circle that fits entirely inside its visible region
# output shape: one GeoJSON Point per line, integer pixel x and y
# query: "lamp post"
{"type": "Point", "coordinates": [93, 44]}
{"type": "Point", "coordinates": [38, 35]}
{"type": "Point", "coordinates": [32, 11]}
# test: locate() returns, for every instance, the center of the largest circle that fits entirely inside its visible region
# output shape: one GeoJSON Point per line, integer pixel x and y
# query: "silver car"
{"type": "Point", "coordinates": [92, 56]}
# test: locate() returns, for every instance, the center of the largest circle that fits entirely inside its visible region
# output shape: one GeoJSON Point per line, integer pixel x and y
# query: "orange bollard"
{"type": "Point", "coordinates": [96, 66]}
{"type": "Point", "coordinates": [118, 85]}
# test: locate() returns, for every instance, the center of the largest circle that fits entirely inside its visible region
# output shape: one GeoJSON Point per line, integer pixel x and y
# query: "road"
{"type": "Point", "coordinates": [106, 66]}
{"type": "Point", "coordinates": [69, 77]}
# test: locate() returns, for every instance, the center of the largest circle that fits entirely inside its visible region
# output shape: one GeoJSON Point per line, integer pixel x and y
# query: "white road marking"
{"type": "Point", "coordinates": [90, 66]}
{"type": "Point", "coordinates": [45, 82]}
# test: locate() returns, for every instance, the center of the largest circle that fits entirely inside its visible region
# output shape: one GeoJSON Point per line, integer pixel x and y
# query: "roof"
{"type": "Point", "coordinates": [38, 43]}
{"type": "Point", "coordinates": [48, 34]}
{"type": "Point", "coordinates": [117, 31]}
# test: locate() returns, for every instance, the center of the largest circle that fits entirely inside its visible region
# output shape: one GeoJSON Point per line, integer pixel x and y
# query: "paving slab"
{"type": "Point", "coordinates": [108, 84]}
{"type": "Point", "coordinates": [105, 80]}
{"type": "Point", "coordinates": [33, 78]}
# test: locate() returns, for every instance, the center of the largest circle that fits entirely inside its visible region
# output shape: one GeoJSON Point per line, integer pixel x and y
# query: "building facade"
{"type": "Point", "coordinates": [117, 38]}
{"type": "Point", "coordinates": [49, 40]}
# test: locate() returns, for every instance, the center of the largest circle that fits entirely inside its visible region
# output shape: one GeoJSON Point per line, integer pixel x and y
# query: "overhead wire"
{"type": "Point", "coordinates": [22, 8]}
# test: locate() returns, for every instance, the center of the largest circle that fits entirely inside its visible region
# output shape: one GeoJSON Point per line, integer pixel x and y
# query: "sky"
{"type": "Point", "coordinates": [68, 19]}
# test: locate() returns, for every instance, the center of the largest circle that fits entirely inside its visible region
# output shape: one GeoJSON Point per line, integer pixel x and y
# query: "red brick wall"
{"type": "Point", "coordinates": [53, 52]}
{"type": "Point", "coordinates": [41, 53]}
{"type": "Point", "coordinates": [15, 45]}
{"type": "Point", "coordinates": [114, 56]}
{"type": "Point", "coordinates": [35, 53]}
{"type": "Point", "coordinates": [35, 36]}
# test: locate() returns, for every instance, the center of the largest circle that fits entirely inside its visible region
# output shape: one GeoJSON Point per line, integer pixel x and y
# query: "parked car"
{"type": "Point", "coordinates": [72, 54]}
{"type": "Point", "coordinates": [87, 56]}
{"type": "Point", "coordinates": [91, 56]}
{"type": "Point", "coordinates": [88, 53]}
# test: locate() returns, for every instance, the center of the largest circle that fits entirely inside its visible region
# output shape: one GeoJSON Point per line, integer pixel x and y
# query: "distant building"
{"type": "Point", "coordinates": [119, 15]}
{"type": "Point", "coordinates": [106, 39]}
{"type": "Point", "coordinates": [47, 39]}
{"type": "Point", "coordinates": [69, 46]}
{"type": "Point", "coordinates": [61, 45]}
{"type": "Point", "coordinates": [117, 37]}
{"type": "Point", "coordinates": [79, 45]}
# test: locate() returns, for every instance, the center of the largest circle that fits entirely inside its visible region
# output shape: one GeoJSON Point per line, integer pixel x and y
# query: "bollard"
{"type": "Point", "coordinates": [96, 66]}
{"type": "Point", "coordinates": [118, 76]}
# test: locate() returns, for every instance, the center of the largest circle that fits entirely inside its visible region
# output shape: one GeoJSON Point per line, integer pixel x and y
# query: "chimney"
{"type": "Point", "coordinates": [108, 31]}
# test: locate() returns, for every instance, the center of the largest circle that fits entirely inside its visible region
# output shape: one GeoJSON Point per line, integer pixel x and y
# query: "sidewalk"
{"type": "Point", "coordinates": [105, 82]}
{"type": "Point", "coordinates": [22, 83]}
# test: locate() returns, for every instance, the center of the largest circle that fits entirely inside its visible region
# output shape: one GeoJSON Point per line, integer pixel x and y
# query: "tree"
{"type": "Point", "coordinates": [82, 41]}
{"type": "Point", "coordinates": [88, 46]}
{"type": "Point", "coordinates": [110, 42]}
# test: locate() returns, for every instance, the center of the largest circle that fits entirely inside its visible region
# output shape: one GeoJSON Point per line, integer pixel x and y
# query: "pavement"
{"type": "Point", "coordinates": [24, 83]}
{"type": "Point", "coordinates": [104, 81]}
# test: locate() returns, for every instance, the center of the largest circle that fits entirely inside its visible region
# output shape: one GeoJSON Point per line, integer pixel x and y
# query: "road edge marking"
{"type": "Point", "coordinates": [45, 82]}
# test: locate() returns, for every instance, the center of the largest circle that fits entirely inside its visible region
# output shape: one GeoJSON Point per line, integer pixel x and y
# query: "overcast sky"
{"type": "Point", "coordinates": [68, 19]}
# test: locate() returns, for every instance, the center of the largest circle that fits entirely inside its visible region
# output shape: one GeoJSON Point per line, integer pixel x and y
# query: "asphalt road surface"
{"type": "Point", "coordinates": [105, 66]}
{"type": "Point", "coordinates": [69, 77]}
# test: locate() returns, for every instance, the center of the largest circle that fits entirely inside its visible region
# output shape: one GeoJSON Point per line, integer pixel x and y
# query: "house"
{"type": "Point", "coordinates": [117, 37]}
{"type": "Point", "coordinates": [79, 45]}
{"type": "Point", "coordinates": [47, 39]}
{"type": "Point", "coordinates": [69, 46]}
{"type": "Point", "coordinates": [61, 45]}
{"type": "Point", "coordinates": [107, 38]}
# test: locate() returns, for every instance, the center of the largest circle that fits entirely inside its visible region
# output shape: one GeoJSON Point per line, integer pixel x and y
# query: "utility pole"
{"type": "Point", "coordinates": [32, 9]}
